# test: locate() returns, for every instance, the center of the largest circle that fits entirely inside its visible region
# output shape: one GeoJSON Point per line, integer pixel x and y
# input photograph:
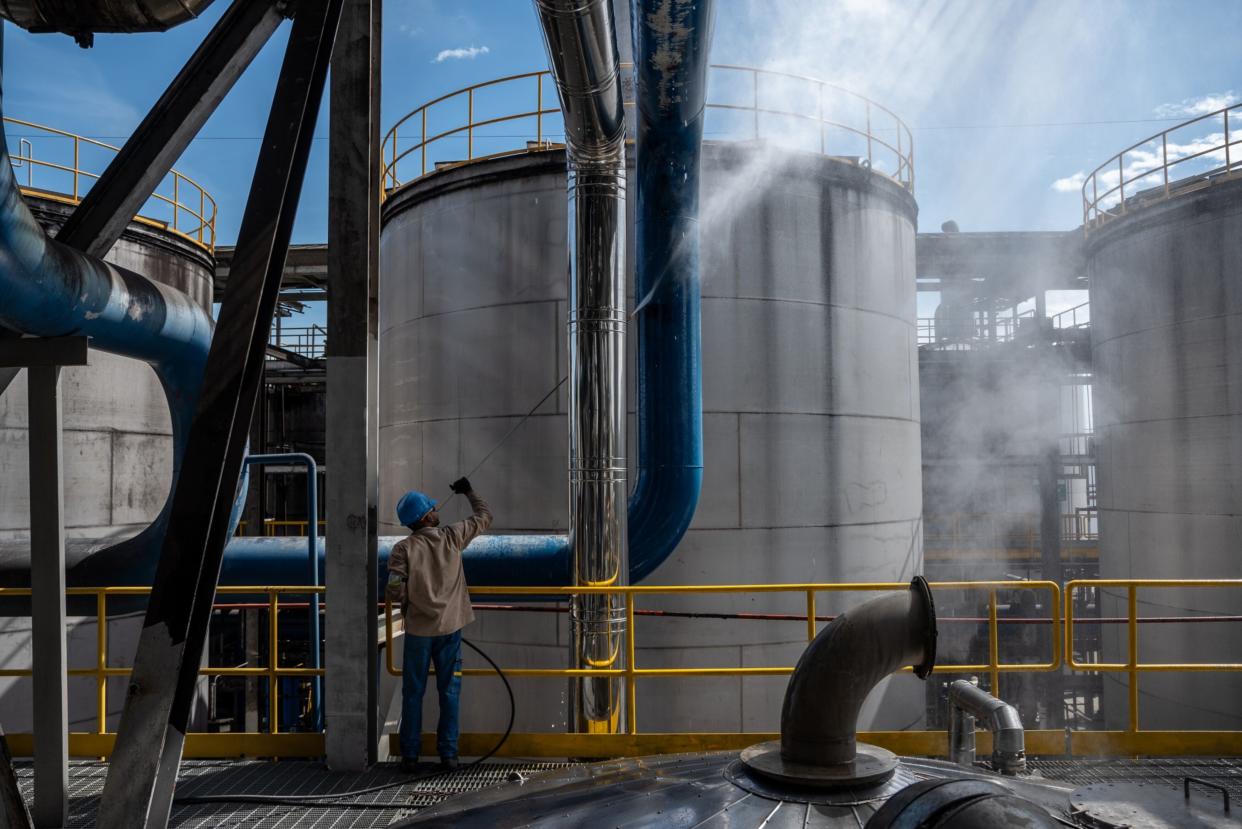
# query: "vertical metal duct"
{"type": "Point", "coordinates": [582, 52]}
{"type": "Point", "coordinates": [672, 39]}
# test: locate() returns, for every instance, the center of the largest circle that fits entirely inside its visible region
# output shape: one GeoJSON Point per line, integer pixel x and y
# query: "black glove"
{"type": "Point", "coordinates": [461, 486]}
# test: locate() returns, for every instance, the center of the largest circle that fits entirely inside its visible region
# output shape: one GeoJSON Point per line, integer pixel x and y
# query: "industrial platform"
{"type": "Point", "coordinates": [302, 778]}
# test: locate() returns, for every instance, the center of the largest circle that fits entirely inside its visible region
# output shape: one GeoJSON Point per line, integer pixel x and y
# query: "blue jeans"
{"type": "Point", "coordinates": [420, 653]}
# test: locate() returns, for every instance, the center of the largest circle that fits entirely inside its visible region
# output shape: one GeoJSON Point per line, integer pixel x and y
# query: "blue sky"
{"type": "Point", "coordinates": [1005, 98]}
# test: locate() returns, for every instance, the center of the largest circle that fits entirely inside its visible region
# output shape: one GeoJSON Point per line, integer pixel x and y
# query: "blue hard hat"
{"type": "Point", "coordinates": [413, 507]}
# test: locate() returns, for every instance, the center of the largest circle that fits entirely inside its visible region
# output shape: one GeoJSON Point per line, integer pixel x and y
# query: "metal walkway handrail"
{"type": "Point", "coordinates": [191, 209]}
{"type": "Point", "coordinates": [1103, 200]}
{"type": "Point", "coordinates": [889, 143]}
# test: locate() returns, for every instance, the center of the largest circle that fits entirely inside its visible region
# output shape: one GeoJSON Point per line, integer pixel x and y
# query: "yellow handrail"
{"type": "Point", "coordinates": [101, 670]}
{"type": "Point", "coordinates": [1062, 618]}
{"type": "Point", "coordinates": [1133, 666]}
{"type": "Point", "coordinates": [1100, 206]}
{"type": "Point", "coordinates": [191, 209]}
{"type": "Point", "coordinates": [878, 148]}
{"type": "Point", "coordinates": [632, 672]}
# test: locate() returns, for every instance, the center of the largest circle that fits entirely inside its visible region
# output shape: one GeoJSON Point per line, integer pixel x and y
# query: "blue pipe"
{"type": "Point", "coordinates": [513, 560]}
{"type": "Point", "coordinates": [672, 39]}
{"type": "Point", "coordinates": [311, 561]}
{"type": "Point", "coordinates": [671, 42]}
{"type": "Point", "coordinates": [49, 289]}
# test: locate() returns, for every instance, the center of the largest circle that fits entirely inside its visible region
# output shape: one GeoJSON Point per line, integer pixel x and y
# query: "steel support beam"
{"type": "Point", "coordinates": [351, 572]}
{"type": "Point", "coordinates": [47, 606]}
{"type": "Point", "coordinates": [172, 123]}
{"type": "Point", "coordinates": [42, 359]}
{"type": "Point", "coordinates": [138, 790]}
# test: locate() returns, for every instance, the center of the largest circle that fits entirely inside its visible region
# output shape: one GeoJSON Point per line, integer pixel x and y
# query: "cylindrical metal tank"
{"type": "Point", "coordinates": [117, 430]}
{"type": "Point", "coordinates": [1166, 307]}
{"type": "Point", "coordinates": [810, 394]}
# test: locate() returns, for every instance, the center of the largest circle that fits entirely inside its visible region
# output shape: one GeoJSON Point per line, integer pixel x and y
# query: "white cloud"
{"type": "Point", "coordinates": [1070, 184]}
{"type": "Point", "coordinates": [468, 53]}
{"type": "Point", "coordinates": [1191, 107]}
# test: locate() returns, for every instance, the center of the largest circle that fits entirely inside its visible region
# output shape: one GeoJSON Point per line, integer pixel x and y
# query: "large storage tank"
{"type": "Point", "coordinates": [117, 430]}
{"type": "Point", "coordinates": [810, 390]}
{"type": "Point", "coordinates": [1167, 338]}
{"type": "Point", "coordinates": [117, 455]}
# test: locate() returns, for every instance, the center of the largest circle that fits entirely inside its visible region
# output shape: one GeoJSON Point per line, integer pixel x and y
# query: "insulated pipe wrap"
{"type": "Point", "coordinates": [581, 43]}
{"type": "Point", "coordinates": [582, 53]}
{"type": "Point", "coordinates": [49, 289]}
{"type": "Point", "coordinates": [819, 718]}
{"type": "Point", "coordinates": [672, 39]}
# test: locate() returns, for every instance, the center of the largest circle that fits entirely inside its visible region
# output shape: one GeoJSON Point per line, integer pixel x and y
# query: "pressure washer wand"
{"type": "Point", "coordinates": [509, 434]}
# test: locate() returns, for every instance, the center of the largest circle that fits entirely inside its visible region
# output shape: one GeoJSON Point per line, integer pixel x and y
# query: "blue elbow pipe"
{"type": "Point", "coordinates": [49, 289]}
{"type": "Point", "coordinates": [672, 39]}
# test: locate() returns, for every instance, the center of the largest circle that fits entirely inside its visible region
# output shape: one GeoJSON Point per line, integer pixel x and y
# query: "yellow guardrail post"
{"type": "Point", "coordinates": [273, 643]}
{"type": "Point", "coordinates": [539, 108]}
{"type": "Point", "coordinates": [76, 167]}
{"type": "Point", "coordinates": [993, 644]}
{"type": "Point", "coordinates": [810, 615]}
{"type": "Point", "coordinates": [1132, 602]}
{"type": "Point", "coordinates": [388, 638]}
{"type": "Point", "coordinates": [631, 684]}
{"type": "Point", "coordinates": [101, 659]}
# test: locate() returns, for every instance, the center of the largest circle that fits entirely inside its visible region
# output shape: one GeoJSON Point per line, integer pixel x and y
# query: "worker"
{"type": "Point", "coordinates": [426, 577]}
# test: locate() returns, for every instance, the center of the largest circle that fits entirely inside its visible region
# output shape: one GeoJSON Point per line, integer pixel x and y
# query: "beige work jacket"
{"type": "Point", "coordinates": [435, 600]}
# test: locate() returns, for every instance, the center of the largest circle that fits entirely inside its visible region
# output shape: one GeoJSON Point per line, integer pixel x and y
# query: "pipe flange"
{"type": "Point", "coordinates": [920, 586]}
{"type": "Point", "coordinates": [871, 765]}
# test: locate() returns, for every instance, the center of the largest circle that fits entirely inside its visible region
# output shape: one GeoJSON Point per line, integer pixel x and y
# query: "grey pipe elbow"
{"type": "Point", "coordinates": [844, 663]}
{"type": "Point", "coordinates": [997, 716]}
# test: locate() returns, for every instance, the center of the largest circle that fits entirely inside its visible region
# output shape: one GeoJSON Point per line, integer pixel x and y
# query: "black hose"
{"type": "Point", "coordinates": [330, 800]}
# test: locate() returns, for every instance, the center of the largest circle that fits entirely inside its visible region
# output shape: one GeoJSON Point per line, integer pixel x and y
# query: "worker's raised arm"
{"type": "Point", "coordinates": [398, 572]}
{"type": "Point", "coordinates": [463, 532]}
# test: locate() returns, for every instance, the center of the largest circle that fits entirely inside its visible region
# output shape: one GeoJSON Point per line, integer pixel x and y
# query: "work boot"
{"type": "Point", "coordinates": [448, 763]}
{"type": "Point", "coordinates": [410, 765]}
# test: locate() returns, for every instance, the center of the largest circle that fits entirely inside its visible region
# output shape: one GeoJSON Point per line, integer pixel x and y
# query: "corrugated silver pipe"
{"type": "Point", "coordinates": [582, 51]}
{"type": "Point", "coordinates": [968, 702]}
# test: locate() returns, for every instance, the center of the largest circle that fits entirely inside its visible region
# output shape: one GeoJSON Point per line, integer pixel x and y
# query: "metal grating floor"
{"type": "Point", "coordinates": [208, 777]}
{"type": "Point", "coordinates": [1226, 771]}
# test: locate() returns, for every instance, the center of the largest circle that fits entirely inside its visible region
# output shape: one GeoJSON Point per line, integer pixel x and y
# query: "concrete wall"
{"type": "Point", "coordinates": [118, 436]}
{"type": "Point", "coordinates": [1167, 337]}
{"type": "Point", "coordinates": [810, 396]}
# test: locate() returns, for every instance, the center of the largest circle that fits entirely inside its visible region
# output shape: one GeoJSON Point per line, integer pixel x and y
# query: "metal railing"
{"type": "Point", "coordinates": [101, 670]}
{"type": "Point", "coordinates": [309, 341]}
{"type": "Point", "coordinates": [1133, 666]}
{"type": "Point", "coordinates": [1063, 608]}
{"type": "Point", "coordinates": [832, 120]}
{"type": "Point", "coordinates": [1019, 531]}
{"type": "Point", "coordinates": [273, 527]}
{"type": "Point", "coordinates": [631, 672]}
{"type": "Point", "coordinates": [970, 331]}
{"type": "Point", "coordinates": [1142, 174]}
{"type": "Point", "coordinates": [179, 205]}
{"type": "Point", "coordinates": [1077, 317]}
